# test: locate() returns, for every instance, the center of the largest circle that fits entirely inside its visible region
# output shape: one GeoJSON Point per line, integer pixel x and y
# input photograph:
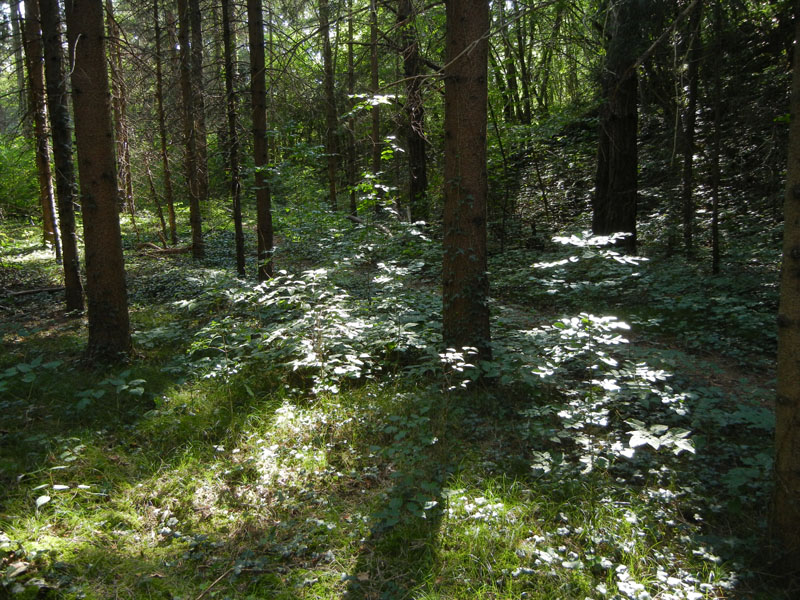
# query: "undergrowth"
{"type": "Point", "coordinates": [308, 437]}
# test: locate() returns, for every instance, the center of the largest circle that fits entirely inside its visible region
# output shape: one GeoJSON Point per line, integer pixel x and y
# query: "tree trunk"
{"type": "Point", "coordinates": [258, 91]}
{"type": "Point", "coordinates": [119, 105]}
{"type": "Point", "coordinates": [190, 132]}
{"type": "Point", "coordinates": [34, 63]}
{"type": "Point", "coordinates": [715, 147]}
{"type": "Point", "coordinates": [57, 102]}
{"type": "Point", "coordinates": [331, 116]}
{"type": "Point", "coordinates": [465, 317]}
{"type": "Point", "coordinates": [199, 115]}
{"type": "Point", "coordinates": [19, 62]}
{"type": "Point", "coordinates": [162, 129]}
{"type": "Point", "coordinates": [785, 516]}
{"type": "Point", "coordinates": [615, 199]}
{"type": "Point", "coordinates": [351, 121]}
{"type": "Point", "coordinates": [524, 74]}
{"type": "Point", "coordinates": [690, 117]}
{"type": "Point", "coordinates": [233, 136]}
{"type": "Point", "coordinates": [109, 329]}
{"type": "Point", "coordinates": [415, 112]}
{"type": "Point", "coordinates": [375, 88]}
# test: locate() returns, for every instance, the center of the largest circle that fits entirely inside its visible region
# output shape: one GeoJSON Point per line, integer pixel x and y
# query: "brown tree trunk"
{"type": "Point", "coordinates": [465, 316]}
{"type": "Point", "coordinates": [716, 144]}
{"type": "Point", "coordinates": [233, 136]}
{"type": "Point", "coordinates": [415, 112]}
{"type": "Point", "coordinates": [331, 116]}
{"type": "Point", "coordinates": [258, 91]}
{"type": "Point", "coordinates": [351, 121]}
{"type": "Point", "coordinates": [34, 63]}
{"type": "Point", "coordinates": [785, 514]}
{"type": "Point", "coordinates": [199, 115]}
{"type": "Point", "coordinates": [109, 328]}
{"type": "Point", "coordinates": [119, 105]}
{"type": "Point", "coordinates": [19, 62]}
{"type": "Point", "coordinates": [162, 129]}
{"type": "Point", "coordinates": [375, 88]}
{"type": "Point", "coordinates": [615, 199]}
{"type": "Point", "coordinates": [690, 117]}
{"type": "Point", "coordinates": [57, 102]}
{"type": "Point", "coordinates": [190, 132]}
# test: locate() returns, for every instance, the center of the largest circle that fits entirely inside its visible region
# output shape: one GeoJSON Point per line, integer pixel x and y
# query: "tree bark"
{"type": "Point", "coordinates": [616, 187]}
{"type": "Point", "coordinates": [119, 105]}
{"type": "Point", "coordinates": [19, 62]}
{"type": "Point", "coordinates": [258, 91]}
{"type": "Point", "coordinates": [785, 516]}
{"type": "Point", "coordinates": [465, 317]}
{"type": "Point", "coordinates": [716, 142]}
{"type": "Point", "coordinates": [690, 117]}
{"type": "Point", "coordinates": [190, 132]}
{"type": "Point", "coordinates": [331, 116]}
{"type": "Point", "coordinates": [66, 186]}
{"type": "Point", "coordinates": [109, 328]}
{"type": "Point", "coordinates": [415, 112]}
{"type": "Point", "coordinates": [375, 88]}
{"type": "Point", "coordinates": [34, 63]}
{"type": "Point", "coordinates": [162, 129]}
{"type": "Point", "coordinates": [233, 136]}
{"type": "Point", "coordinates": [199, 115]}
{"type": "Point", "coordinates": [351, 121]}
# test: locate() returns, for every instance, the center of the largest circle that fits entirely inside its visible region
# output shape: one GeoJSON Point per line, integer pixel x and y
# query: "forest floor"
{"type": "Point", "coordinates": [308, 437]}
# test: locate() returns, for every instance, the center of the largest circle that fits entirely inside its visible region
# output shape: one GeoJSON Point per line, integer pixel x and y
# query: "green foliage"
{"type": "Point", "coordinates": [19, 191]}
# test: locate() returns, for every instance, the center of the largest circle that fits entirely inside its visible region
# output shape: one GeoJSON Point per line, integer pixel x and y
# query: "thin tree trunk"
{"type": "Point", "coordinates": [19, 62]}
{"type": "Point", "coordinates": [716, 144]}
{"type": "Point", "coordinates": [233, 136]}
{"type": "Point", "coordinates": [258, 91]}
{"type": "Point", "coordinates": [162, 129]}
{"type": "Point", "coordinates": [66, 187]}
{"type": "Point", "coordinates": [375, 88]}
{"type": "Point", "coordinates": [190, 132]}
{"type": "Point", "coordinates": [785, 510]}
{"type": "Point", "coordinates": [331, 116]}
{"type": "Point", "coordinates": [524, 74]}
{"type": "Point", "coordinates": [465, 316]}
{"type": "Point", "coordinates": [351, 121]}
{"type": "Point", "coordinates": [34, 63]}
{"type": "Point", "coordinates": [415, 112]}
{"type": "Point", "coordinates": [199, 114]}
{"type": "Point", "coordinates": [119, 105]}
{"type": "Point", "coordinates": [687, 199]}
{"type": "Point", "coordinates": [109, 327]}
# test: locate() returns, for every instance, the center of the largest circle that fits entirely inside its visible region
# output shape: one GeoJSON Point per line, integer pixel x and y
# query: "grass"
{"type": "Point", "coordinates": [223, 462]}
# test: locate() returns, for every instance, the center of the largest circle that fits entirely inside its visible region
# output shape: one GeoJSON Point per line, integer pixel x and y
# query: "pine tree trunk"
{"type": "Point", "coordinates": [375, 88]}
{"type": "Point", "coordinates": [415, 112]}
{"type": "Point", "coordinates": [616, 186]}
{"type": "Point", "coordinates": [331, 116]}
{"type": "Point", "coordinates": [34, 63]}
{"type": "Point", "coordinates": [690, 117]}
{"type": "Point", "coordinates": [233, 137]}
{"type": "Point", "coordinates": [351, 121]}
{"type": "Point", "coordinates": [258, 91]}
{"type": "Point", "coordinates": [190, 131]}
{"type": "Point", "coordinates": [716, 143]}
{"type": "Point", "coordinates": [119, 105]}
{"type": "Point", "coordinates": [19, 62]}
{"type": "Point", "coordinates": [109, 328]}
{"type": "Point", "coordinates": [785, 516]}
{"type": "Point", "coordinates": [66, 186]}
{"type": "Point", "coordinates": [199, 115]}
{"type": "Point", "coordinates": [465, 317]}
{"type": "Point", "coordinates": [162, 129]}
